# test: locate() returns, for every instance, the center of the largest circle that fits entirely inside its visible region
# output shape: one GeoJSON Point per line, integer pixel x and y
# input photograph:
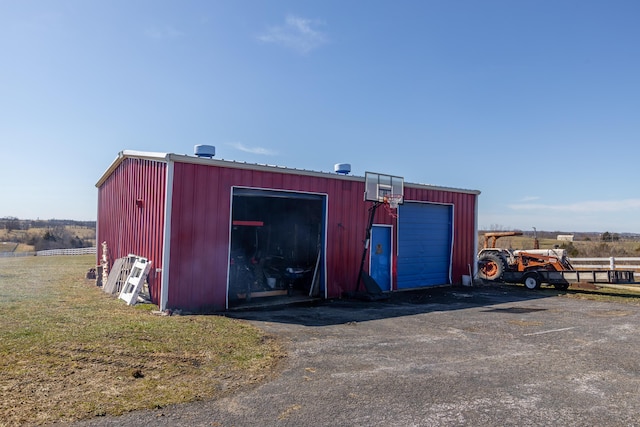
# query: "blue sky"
{"type": "Point", "coordinates": [534, 103]}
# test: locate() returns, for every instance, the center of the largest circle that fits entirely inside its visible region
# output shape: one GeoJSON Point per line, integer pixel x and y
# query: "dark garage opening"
{"type": "Point", "coordinates": [277, 242]}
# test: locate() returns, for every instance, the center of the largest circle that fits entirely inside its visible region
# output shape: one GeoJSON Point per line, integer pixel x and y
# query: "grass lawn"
{"type": "Point", "coordinates": [69, 351]}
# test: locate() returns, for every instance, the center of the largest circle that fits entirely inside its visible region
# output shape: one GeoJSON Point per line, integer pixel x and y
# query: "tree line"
{"type": "Point", "coordinates": [47, 234]}
{"type": "Point", "coordinates": [11, 223]}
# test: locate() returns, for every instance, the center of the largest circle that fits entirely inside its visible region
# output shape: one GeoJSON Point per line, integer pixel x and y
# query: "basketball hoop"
{"type": "Point", "coordinates": [381, 189]}
{"type": "Point", "coordinates": [391, 202]}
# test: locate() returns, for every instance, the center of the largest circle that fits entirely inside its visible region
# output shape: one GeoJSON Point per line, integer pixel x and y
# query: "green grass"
{"type": "Point", "coordinates": [613, 293]}
{"type": "Point", "coordinates": [620, 294]}
{"type": "Point", "coordinates": [69, 351]}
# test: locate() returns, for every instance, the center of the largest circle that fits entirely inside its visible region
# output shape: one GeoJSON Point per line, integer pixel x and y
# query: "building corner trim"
{"type": "Point", "coordinates": [166, 238]}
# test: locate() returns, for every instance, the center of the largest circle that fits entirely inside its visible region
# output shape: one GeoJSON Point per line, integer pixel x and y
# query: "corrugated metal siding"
{"type": "Point", "coordinates": [126, 226]}
{"type": "Point", "coordinates": [347, 222]}
{"type": "Point", "coordinates": [200, 229]}
{"type": "Point", "coordinates": [199, 238]}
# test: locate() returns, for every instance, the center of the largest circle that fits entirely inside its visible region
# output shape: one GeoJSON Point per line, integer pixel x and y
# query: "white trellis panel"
{"type": "Point", "coordinates": [135, 281]}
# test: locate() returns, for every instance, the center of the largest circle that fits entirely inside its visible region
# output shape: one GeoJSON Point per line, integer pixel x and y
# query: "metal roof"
{"type": "Point", "coordinates": [168, 157]}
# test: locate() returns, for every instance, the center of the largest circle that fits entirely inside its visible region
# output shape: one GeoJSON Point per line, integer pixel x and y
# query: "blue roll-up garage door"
{"type": "Point", "coordinates": [425, 238]}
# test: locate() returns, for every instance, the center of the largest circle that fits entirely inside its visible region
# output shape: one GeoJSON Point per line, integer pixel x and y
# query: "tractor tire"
{"type": "Point", "coordinates": [491, 267]}
{"type": "Point", "coordinates": [531, 281]}
{"type": "Point", "coordinates": [561, 286]}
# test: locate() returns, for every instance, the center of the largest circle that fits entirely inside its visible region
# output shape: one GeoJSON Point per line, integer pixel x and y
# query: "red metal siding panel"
{"type": "Point", "coordinates": [347, 221]}
{"type": "Point", "coordinates": [198, 277]}
{"type": "Point", "coordinates": [199, 237]}
{"type": "Point", "coordinates": [131, 215]}
{"type": "Point", "coordinates": [200, 228]}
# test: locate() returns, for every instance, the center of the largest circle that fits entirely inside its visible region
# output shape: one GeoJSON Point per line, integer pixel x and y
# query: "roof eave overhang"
{"type": "Point", "coordinates": [147, 155]}
{"type": "Point", "coordinates": [183, 158]}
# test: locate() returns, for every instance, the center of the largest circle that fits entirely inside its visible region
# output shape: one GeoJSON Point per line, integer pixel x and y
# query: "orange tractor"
{"type": "Point", "coordinates": [521, 266]}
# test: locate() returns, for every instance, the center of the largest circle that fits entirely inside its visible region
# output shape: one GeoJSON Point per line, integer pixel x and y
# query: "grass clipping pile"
{"type": "Point", "coordinates": [68, 351]}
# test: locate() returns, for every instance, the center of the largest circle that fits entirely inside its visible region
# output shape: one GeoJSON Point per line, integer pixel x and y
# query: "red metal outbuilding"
{"type": "Point", "coordinates": [221, 234]}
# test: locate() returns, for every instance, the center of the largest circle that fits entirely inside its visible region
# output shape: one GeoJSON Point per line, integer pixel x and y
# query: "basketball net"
{"type": "Point", "coordinates": [391, 202]}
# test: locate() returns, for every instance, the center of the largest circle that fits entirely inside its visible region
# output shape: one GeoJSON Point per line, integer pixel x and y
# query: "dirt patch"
{"type": "Point", "coordinates": [583, 285]}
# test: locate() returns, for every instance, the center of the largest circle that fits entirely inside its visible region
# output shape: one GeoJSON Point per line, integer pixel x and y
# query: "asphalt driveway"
{"type": "Point", "coordinates": [482, 356]}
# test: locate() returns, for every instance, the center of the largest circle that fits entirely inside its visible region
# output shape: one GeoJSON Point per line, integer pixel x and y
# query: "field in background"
{"type": "Point", "coordinates": [17, 240]}
{"type": "Point", "coordinates": [18, 235]}
{"type": "Point", "coordinates": [69, 351]}
{"type": "Point", "coordinates": [15, 247]}
{"type": "Point", "coordinates": [581, 248]}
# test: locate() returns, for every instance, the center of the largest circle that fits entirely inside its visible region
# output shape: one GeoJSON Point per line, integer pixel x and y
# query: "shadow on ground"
{"type": "Point", "coordinates": [405, 303]}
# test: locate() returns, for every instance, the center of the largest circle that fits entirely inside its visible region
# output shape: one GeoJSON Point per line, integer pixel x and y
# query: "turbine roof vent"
{"type": "Point", "coordinates": [342, 168]}
{"type": "Point", "coordinates": [205, 151]}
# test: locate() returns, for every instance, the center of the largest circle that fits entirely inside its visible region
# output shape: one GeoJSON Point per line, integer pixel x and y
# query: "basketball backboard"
{"type": "Point", "coordinates": [379, 187]}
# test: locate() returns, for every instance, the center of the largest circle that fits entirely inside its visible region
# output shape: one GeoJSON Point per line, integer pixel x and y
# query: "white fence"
{"type": "Point", "coordinates": [15, 254]}
{"type": "Point", "coordinates": [74, 251]}
{"type": "Point", "coordinates": [51, 252]}
{"type": "Point", "coordinates": [611, 263]}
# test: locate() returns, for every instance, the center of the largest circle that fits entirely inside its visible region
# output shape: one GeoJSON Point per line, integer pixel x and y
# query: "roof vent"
{"type": "Point", "coordinates": [206, 151]}
{"type": "Point", "coordinates": [342, 168]}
